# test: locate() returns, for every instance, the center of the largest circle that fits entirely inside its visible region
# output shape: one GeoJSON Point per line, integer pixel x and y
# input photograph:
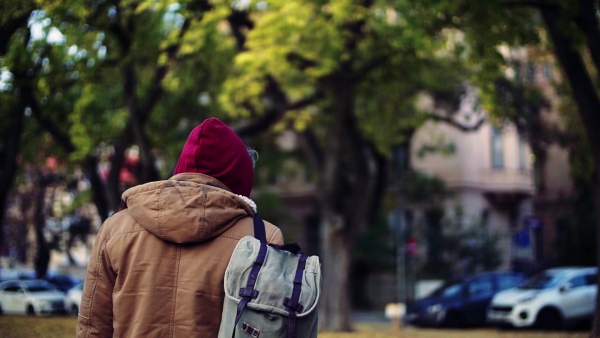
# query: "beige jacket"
{"type": "Point", "coordinates": [157, 267]}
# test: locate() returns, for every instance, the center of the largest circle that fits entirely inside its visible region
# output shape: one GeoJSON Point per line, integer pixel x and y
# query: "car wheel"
{"type": "Point", "coordinates": [30, 310]}
{"type": "Point", "coordinates": [453, 320]}
{"type": "Point", "coordinates": [74, 310]}
{"type": "Point", "coordinates": [548, 320]}
{"type": "Point", "coordinates": [1, 312]}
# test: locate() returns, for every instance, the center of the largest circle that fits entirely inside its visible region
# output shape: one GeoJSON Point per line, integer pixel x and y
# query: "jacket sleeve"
{"type": "Point", "coordinates": [95, 317]}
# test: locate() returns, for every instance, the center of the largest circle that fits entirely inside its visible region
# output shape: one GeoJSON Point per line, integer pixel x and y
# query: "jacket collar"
{"type": "Point", "coordinates": [200, 179]}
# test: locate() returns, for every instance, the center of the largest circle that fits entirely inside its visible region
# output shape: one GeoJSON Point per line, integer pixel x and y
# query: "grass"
{"type": "Point", "coordinates": [63, 326]}
{"type": "Point", "coordinates": [47, 327]}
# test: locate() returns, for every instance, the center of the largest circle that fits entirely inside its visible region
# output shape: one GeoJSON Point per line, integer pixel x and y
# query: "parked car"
{"type": "Point", "coordinates": [551, 299]}
{"type": "Point", "coordinates": [461, 303]}
{"type": "Point", "coordinates": [63, 282]}
{"type": "Point", "coordinates": [30, 297]}
{"type": "Point", "coordinates": [73, 299]}
{"type": "Point", "coordinates": [16, 273]}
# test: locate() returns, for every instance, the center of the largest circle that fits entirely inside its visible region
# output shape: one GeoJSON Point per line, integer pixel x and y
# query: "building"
{"type": "Point", "coordinates": [490, 177]}
{"type": "Point", "coordinates": [493, 175]}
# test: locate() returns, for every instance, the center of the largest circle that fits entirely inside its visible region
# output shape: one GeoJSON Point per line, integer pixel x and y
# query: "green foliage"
{"type": "Point", "coordinates": [420, 188]}
{"type": "Point", "coordinates": [455, 249]}
{"type": "Point", "coordinates": [576, 233]}
{"type": "Point", "coordinates": [80, 84]}
{"type": "Point", "coordinates": [581, 159]}
{"type": "Point", "coordinates": [437, 146]}
{"type": "Point", "coordinates": [387, 51]}
{"type": "Point", "coordinates": [375, 249]}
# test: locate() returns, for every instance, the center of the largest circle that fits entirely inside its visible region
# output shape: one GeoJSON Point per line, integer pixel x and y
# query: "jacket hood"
{"type": "Point", "coordinates": [187, 208]}
{"type": "Point", "coordinates": [214, 149]}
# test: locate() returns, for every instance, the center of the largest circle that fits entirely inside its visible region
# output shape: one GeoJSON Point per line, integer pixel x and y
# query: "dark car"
{"type": "Point", "coordinates": [62, 282]}
{"type": "Point", "coordinates": [462, 302]}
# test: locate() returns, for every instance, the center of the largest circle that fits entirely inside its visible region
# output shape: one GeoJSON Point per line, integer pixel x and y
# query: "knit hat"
{"type": "Point", "coordinates": [214, 149]}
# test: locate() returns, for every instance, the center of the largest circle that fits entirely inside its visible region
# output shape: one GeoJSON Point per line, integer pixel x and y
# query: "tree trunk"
{"type": "Point", "coordinates": [596, 191]}
{"type": "Point", "coordinates": [334, 307]}
{"type": "Point", "coordinates": [588, 104]}
{"type": "Point", "coordinates": [8, 166]}
{"type": "Point", "coordinates": [345, 185]}
{"type": "Point", "coordinates": [98, 191]}
{"type": "Point", "coordinates": [42, 257]}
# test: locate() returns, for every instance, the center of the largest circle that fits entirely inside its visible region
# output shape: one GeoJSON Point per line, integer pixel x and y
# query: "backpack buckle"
{"type": "Point", "coordinates": [293, 304]}
{"type": "Point", "coordinates": [252, 331]}
{"type": "Point", "coordinates": [248, 292]}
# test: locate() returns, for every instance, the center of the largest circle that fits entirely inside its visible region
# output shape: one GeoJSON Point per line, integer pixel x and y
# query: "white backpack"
{"type": "Point", "coordinates": [270, 290]}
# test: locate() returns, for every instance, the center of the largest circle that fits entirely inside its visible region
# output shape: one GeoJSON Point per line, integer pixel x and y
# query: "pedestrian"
{"type": "Point", "coordinates": [158, 264]}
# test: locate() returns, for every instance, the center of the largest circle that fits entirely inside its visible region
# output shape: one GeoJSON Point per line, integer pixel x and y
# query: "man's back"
{"type": "Point", "coordinates": [157, 267]}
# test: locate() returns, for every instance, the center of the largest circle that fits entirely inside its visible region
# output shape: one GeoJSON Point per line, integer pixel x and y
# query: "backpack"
{"type": "Point", "coordinates": [270, 290]}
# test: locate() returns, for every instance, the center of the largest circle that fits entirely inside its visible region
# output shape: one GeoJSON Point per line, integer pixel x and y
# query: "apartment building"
{"type": "Point", "coordinates": [494, 177]}
{"type": "Point", "coordinates": [489, 175]}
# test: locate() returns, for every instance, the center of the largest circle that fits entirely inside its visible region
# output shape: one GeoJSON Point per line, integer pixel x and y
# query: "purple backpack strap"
{"type": "Point", "coordinates": [293, 303]}
{"type": "Point", "coordinates": [248, 293]}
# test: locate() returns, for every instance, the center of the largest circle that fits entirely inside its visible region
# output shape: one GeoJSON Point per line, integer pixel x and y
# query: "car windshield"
{"type": "Point", "coordinates": [543, 280]}
{"type": "Point", "coordinates": [447, 290]}
{"type": "Point", "coordinates": [39, 288]}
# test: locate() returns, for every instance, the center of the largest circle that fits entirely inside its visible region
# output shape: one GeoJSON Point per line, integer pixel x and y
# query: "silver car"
{"type": "Point", "coordinates": [30, 297]}
{"type": "Point", "coordinates": [73, 299]}
{"type": "Point", "coordinates": [550, 300]}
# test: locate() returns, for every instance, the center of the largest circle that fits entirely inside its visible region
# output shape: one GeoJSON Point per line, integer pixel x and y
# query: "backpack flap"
{"type": "Point", "coordinates": [275, 281]}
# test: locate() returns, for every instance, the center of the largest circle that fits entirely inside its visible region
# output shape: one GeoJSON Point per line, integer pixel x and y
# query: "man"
{"type": "Point", "coordinates": [157, 266]}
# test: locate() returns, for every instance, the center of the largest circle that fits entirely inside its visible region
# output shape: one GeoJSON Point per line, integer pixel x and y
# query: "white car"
{"type": "Point", "coordinates": [30, 297]}
{"type": "Point", "coordinates": [549, 300]}
{"type": "Point", "coordinates": [73, 299]}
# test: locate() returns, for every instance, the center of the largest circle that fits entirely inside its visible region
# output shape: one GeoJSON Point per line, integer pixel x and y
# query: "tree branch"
{"type": "Point", "coordinates": [9, 28]}
{"type": "Point", "coordinates": [300, 61]}
{"type": "Point", "coordinates": [449, 120]}
{"type": "Point", "coordinates": [277, 109]}
{"type": "Point", "coordinates": [156, 90]}
{"type": "Point", "coordinates": [238, 21]}
{"type": "Point", "coordinates": [532, 3]}
{"type": "Point", "coordinates": [587, 21]}
{"type": "Point", "coordinates": [310, 144]}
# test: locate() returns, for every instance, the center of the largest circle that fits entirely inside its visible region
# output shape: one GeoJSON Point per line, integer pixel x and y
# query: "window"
{"type": "Point", "coordinates": [578, 281]}
{"type": "Point", "coordinates": [481, 286]}
{"type": "Point", "coordinates": [531, 72]}
{"type": "Point", "coordinates": [497, 149]}
{"type": "Point", "coordinates": [522, 153]}
{"type": "Point", "coordinates": [508, 281]}
{"type": "Point", "coordinates": [13, 288]}
{"type": "Point", "coordinates": [547, 70]}
{"type": "Point", "coordinates": [485, 217]}
{"type": "Point", "coordinates": [590, 279]}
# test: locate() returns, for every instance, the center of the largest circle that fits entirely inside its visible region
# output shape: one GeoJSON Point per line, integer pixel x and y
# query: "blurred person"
{"type": "Point", "coordinates": [158, 263]}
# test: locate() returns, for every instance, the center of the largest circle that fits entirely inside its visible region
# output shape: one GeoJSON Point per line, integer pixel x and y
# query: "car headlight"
{"type": "Point", "coordinates": [527, 299]}
{"type": "Point", "coordinates": [433, 309]}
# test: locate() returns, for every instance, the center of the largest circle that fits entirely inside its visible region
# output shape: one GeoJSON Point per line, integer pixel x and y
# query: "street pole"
{"type": "Point", "coordinates": [400, 228]}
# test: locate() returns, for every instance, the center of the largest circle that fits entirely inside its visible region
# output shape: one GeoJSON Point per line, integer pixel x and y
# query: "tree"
{"type": "Point", "coordinates": [344, 75]}
{"type": "Point", "coordinates": [571, 27]}
{"type": "Point", "coordinates": [13, 18]}
{"type": "Point", "coordinates": [99, 81]}
{"type": "Point", "coordinates": [106, 81]}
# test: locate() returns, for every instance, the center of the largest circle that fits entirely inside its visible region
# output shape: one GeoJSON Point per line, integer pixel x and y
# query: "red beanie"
{"type": "Point", "coordinates": [214, 149]}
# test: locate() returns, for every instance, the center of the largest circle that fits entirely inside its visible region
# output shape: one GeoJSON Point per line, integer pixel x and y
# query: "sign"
{"type": "Point", "coordinates": [533, 222]}
{"type": "Point", "coordinates": [411, 246]}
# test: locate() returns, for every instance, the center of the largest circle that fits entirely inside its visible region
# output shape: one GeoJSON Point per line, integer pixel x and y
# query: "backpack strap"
{"type": "Point", "coordinates": [260, 232]}
{"type": "Point", "coordinates": [248, 293]}
{"type": "Point", "coordinates": [293, 303]}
